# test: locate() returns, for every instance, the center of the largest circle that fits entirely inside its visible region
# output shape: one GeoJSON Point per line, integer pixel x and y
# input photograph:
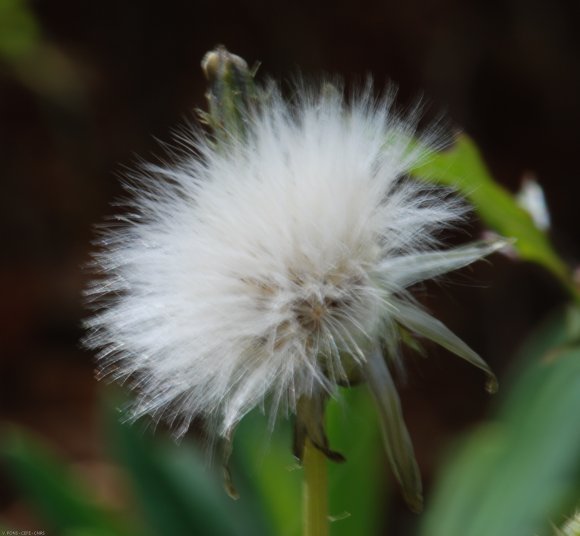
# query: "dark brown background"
{"type": "Point", "coordinates": [114, 75]}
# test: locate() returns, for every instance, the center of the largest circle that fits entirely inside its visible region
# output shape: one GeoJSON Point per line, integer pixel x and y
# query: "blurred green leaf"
{"type": "Point", "coordinates": [34, 62]}
{"type": "Point", "coordinates": [60, 499]}
{"type": "Point", "coordinates": [176, 493]}
{"type": "Point", "coordinates": [516, 476]}
{"type": "Point", "coordinates": [356, 485]}
{"type": "Point", "coordinates": [276, 476]}
{"type": "Point", "coordinates": [19, 33]}
{"type": "Point", "coordinates": [462, 168]}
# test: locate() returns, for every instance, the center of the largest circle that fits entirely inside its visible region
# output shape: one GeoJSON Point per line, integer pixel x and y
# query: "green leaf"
{"type": "Point", "coordinates": [62, 501]}
{"type": "Point", "coordinates": [266, 456]}
{"type": "Point", "coordinates": [355, 487]}
{"type": "Point", "coordinates": [517, 475]}
{"type": "Point", "coordinates": [462, 168]}
{"type": "Point", "coordinates": [19, 33]}
{"type": "Point", "coordinates": [357, 495]}
{"type": "Point", "coordinates": [177, 494]}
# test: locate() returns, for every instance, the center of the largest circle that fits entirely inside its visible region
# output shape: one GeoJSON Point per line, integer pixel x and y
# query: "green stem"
{"type": "Point", "coordinates": [315, 492]}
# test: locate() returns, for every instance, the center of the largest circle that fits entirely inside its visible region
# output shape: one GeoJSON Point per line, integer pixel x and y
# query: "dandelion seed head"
{"type": "Point", "coordinates": [267, 268]}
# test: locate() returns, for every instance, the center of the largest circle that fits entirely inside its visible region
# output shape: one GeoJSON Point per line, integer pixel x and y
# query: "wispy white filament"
{"type": "Point", "coordinates": [274, 266]}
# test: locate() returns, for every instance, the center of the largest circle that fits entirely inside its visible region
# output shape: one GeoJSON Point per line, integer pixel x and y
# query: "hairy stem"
{"type": "Point", "coordinates": [315, 492]}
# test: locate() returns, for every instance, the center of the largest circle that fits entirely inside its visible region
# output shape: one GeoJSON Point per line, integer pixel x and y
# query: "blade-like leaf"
{"type": "Point", "coordinates": [462, 168]}
{"type": "Point", "coordinates": [411, 269]}
{"type": "Point", "coordinates": [424, 324]}
{"type": "Point", "coordinates": [395, 435]}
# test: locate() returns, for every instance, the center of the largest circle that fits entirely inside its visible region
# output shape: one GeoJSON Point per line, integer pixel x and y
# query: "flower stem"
{"type": "Point", "coordinates": [315, 492]}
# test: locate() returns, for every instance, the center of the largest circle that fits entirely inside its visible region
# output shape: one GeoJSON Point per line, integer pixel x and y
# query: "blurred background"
{"type": "Point", "coordinates": [88, 87]}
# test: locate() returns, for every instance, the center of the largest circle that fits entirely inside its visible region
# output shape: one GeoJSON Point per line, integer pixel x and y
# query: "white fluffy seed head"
{"type": "Point", "coordinates": [267, 268]}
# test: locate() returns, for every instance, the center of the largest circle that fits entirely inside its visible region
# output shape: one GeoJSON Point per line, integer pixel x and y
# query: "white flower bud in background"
{"type": "Point", "coordinates": [275, 266]}
{"type": "Point", "coordinates": [532, 199]}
